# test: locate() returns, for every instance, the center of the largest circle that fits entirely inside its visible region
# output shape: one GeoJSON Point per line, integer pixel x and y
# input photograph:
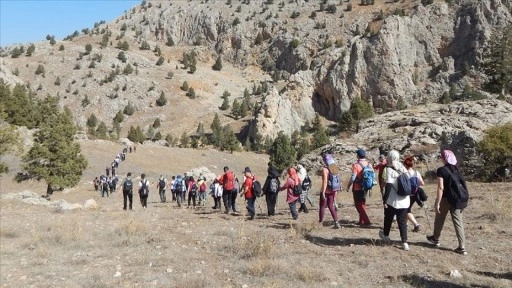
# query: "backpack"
{"type": "Point", "coordinates": [415, 183]}
{"type": "Point", "coordinates": [256, 188]}
{"type": "Point", "coordinates": [297, 190]}
{"type": "Point", "coordinates": [334, 182]}
{"type": "Point", "coordinates": [144, 191]}
{"type": "Point", "coordinates": [404, 184]}
{"type": "Point", "coordinates": [229, 181]}
{"type": "Point", "coordinates": [306, 184]}
{"type": "Point", "coordinates": [193, 189]}
{"type": "Point", "coordinates": [128, 185]}
{"type": "Point", "coordinates": [178, 185]}
{"type": "Point", "coordinates": [367, 180]}
{"type": "Point", "coordinates": [202, 188]}
{"type": "Point", "coordinates": [273, 186]}
{"type": "Point", "coordinates": [105, 185]}
{"type": "Point", "coordinates": [457, 191]}
{"type": "Point", "coordinates": [161, 184]}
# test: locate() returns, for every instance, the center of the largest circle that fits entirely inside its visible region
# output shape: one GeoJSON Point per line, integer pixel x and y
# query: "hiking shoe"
{"type": "Point", "coordinates": [433, 240]}
{"type": "Point", "coordinates": [384, 237]}
{"type": "Point", "coordinates": [405, 246]}
{"type": "Point", "coordinates": [336, 225]}
{"type": "Point", "coordinates": [461, 251]}
{"type": "Point", "coordinates": [417, 228]}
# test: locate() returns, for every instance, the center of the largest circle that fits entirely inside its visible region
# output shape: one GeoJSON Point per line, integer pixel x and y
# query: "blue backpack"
{"type": "Point", "coordinates": [334, 182]}
{"type": "Point", "coordinates": [415, 183]}
{"type": "Point", "coordinates": [367, 180]}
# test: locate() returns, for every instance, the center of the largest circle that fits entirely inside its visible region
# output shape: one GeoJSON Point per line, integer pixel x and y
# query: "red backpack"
{"type": "Point", "coordinates": [202, 188]}
{"type": "Point", "coordinates": [229, 181]}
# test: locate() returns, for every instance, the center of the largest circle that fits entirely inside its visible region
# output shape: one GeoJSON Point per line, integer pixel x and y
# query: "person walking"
{"type": "Point", "coordinates": [292, 199]}
{"type": "Point", "coordinates": [127, 191]}
{"type": "Point", "coordinates": [394, 204]}
{"type": "Point", "coordinates": [246, 191]}
{"type": "Point", "coordinates": [171, 187]}
{"type": "Point", "coordinates": [380, 171]}
{"type": "Point", "coordinates": [179, 189]}
{"type": "Point", "coordinates": [271, 189]}
{"type": "Point", "coordinates": [303, 175]}
{"type": "Point", "coordinates": [201, 183]}
{"type": "Point", "coordinates": [359, 195]}
{"type": "Point", "coordinates": [331, 184]}
{"type": "Point", "coordinates": [161, 185]}
{"type": "Point", "coordinates": [228, 186]}
{"type": "Point", "coordinates": [446, 174]}
{"type": "Point", "coordinates": [144, 191]}
{"type": "Point", "coordinates": [416, 182]}
{"type": "Point", "coordinates": [217, 194]}
{"type": "Point", "coordinates": [192, 191]}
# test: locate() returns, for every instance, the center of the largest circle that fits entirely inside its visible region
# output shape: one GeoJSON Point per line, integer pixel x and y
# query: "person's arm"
{"type": "Point", "coordinates": [420, 178]}
{"type": "Point", "coordinates": [325, 179]}
{"type": "Point", "coordinates": [439, 195]}
{"type": "Point", "coordinates": [352, 177]}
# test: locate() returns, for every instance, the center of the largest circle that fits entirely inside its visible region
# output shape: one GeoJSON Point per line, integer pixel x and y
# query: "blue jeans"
{"type": "Point", "coordinates": [250, 206]}
{"type": "Point", "coordinates": [293, 209]}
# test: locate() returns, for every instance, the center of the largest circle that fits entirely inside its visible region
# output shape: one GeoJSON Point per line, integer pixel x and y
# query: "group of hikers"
{"type": "Point", "coordinates": [398, 181]}
{"type": "Point", "coordinates": [106, 183]}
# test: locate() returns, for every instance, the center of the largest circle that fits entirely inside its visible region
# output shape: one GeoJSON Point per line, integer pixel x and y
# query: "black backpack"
{"type": "Point", "coordinates": [306, 184]}
{"type": "Point", "coordinates": [128, 185]}
{"type": "Point", "coordinates": [161, 184]}
{"type": "Point", "coordinates": [297, 190]}
{"type": "Point", "coordinates": [143, 191]}
{"type": "Point", "coordinates": [256, 188]}
{"type": "Point", "coordinates": [404, 184]}
{"type": "Point", "coordinates": [193, 189]}
{"type": "Point", "coordinates": [456, 190]}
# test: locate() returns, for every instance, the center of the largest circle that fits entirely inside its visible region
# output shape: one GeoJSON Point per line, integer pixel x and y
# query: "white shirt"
{"type": "Point", "coordinates": [146, 181]}
{"type": "Point", "coordinates": [217, 190]}
{"type": "Point", "coordinates": [394, 200]}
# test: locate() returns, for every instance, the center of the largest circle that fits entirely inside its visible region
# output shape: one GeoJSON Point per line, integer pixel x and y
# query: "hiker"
{"type": "Point", "coordinates": [96, 183]}
{"type": "Point", "coordinates": [271, 190]}
{"type": "Point", "coordinates": [179, 189]}
{"type": "Point", "coordinates": [113, 171]}
{"type": "Point", "coordinates": [161, 185]}
{"type": "Point", "coordinates": [171, 187]}
{"type": "Point", "coordinates": [380, 168]}
{"type": "Point", "coordinates": [104, 187]}
{"type": "Point", "coordinates": [331, 184]}
{"type": "Point", "coordinates": [444, 203]}
{"type": "Point", "coordinates": [291, 197]}
{"type": "Point", "coordinates": [107, 171]}
{"type": "Point", "coordinates": [127, 191]}
{"type": "Point", "coordinates": [144, 191]}
{"type": "Point", "coordinates": [217, 194]}
{"type": "Point", "coordinates": [49, 189]}
{"type": "Point", "coordinates": [130, 149]}
{"type": "Point", "coordinates": [302, 173]}
{"type": "Point", "coordinates": [201, 183]}
{"type": "Point", "coordinates": [192, 191]}
{"type": "Point", "coordinates": [228, 186]}
{"type": "Point", "coordinates": [358, 193]}
{"type": "Point", "coordinates": [234, 195]}
{"type": "Point", "coordinates": [246, 191]}
{"type": "Point", "coordinates": [416, 182]}
{"type": "Point", "coordinates": [394, 204]}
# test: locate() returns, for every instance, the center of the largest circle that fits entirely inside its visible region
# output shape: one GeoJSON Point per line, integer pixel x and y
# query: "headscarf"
{"type": "Point", "coordinates": [394, 161]}
{"type": "Point", "coordinates": [272, 172]}
{"type": "Point", "coordinates": [301, 172]}
{"type": "Point", "coordinates": [449, 157]}
{"type": "Point", "coordinates": [292, 173]}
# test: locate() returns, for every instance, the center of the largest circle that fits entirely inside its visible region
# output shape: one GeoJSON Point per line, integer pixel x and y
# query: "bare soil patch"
{"type": "Point", "coordinates": [169, 246]}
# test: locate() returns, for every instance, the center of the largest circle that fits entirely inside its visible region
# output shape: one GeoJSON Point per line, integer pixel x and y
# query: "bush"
{"type": "Point", "coordinates": [496, 151]}
{"type": "Point", "coordinates": [218, 64]}
{"type": "Point", "coordinates": [129, 109]}
{"type": "Point", "coordinates": [185, 86]}
{"type": "Point", "coordinates": [191, 93]}
{"type": "Point", "coordinates": [160, 61]}
{"type": "Point", "coordinates": [294, 43]}
{"type": "Point", "coordinates": [40, 70]}
{"type": "Point", "coordinates": [162, 100]}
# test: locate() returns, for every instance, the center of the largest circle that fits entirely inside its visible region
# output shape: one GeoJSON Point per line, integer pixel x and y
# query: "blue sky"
{"type": "Point", "coordinates": [24, 21]}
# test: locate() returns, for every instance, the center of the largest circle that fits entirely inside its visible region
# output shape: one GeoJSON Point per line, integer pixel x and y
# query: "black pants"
{"type": "Point", "coordinates": [192, 196]}
{"type": "Point", "coordinates": [218, 202]}
{"type": "Point", "coordinates": [162, 195]}
{"type": "Point", "coordinates": [226, 198]}
{"type": "Point", "coordinates": [271, 203]}
{"type": "Point", "coordinates": [127, 196]}
{"type": "Point", "coordinates": [144, 200]}
{"type": "Point", "coordinates": [234, 195]}
{"type": "Point", "coordinates": [401, 220]}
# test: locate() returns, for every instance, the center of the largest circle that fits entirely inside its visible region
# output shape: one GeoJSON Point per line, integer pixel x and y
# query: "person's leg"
{"type": "Point", "coordinates": [458, 224]}
{"type": "Point", "coordinates": [269, 204]}
{"type": "Point", "coordinates": [293, 209]}
{"type": "Point", "coordinates": [125, 199]}
{"type": "Point", "coordinates": [234, 195]}
{"type": "Point", "coordinates": [163, 196]}
{"type": "Point", "coordinates": [330, 204]}
{"type": "Point", "coordinates": [401, 220]}
{"type": "Point", "coordinates": [189, 198]}
{"type": "Point", "coordinates": [444, 207]}
{"type": "Point", "coordinates": [365, 220]}
{"type": "Point", "coordinates": [250, 207]}
{"type": "Point", "coordinates": [130, 200]}
{"type": "Point", "coordinates": [194, 200]}
{"type": "Point", "coordinates": [389, 214]}
{"type": "Point", "coordinates": [226, 198]}
{"type": "Point", "coordinates": [321, 212]}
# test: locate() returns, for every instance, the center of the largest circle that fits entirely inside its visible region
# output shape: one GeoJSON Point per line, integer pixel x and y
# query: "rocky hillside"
{"type": "Point", "coordinates": [313, 57]}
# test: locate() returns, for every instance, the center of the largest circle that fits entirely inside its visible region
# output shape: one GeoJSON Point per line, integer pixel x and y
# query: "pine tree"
{"type": "Point", "coordinates": [218, 64]}
{"type": "Point", "coordinates": [157, 123]}
{"type": "Point", "coordinates": [102, 131]}
{"type": "Point", "coordinates": [119, 117]}
{"type": "Point", "coordinates": [92, 121]}
{"type": "Point", "coordinates": [235, 109]}
{"type": "Point", "coordinates": [320, 137]}
{"type": "Point", "coordinates": [162, 100]}
{"type": "Point", "coordinates": [184, 140]}
{"type": "Point", "coordinates": [216, 130]}
{"type": "Point", "coordinates": [282, 153]}
{"type": "Point", "coordinates": [497, 62]}
{"type": "Point", "coordinates": [9, 141]}
{"type": "Point", "coordinates": [225, 104]}
{"type": "Point", "coordinates": [229, 140]}
{"type": "Point", "coordinates": [185, 86]}
{"type": "Point", "coordinates": [55, 157]}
